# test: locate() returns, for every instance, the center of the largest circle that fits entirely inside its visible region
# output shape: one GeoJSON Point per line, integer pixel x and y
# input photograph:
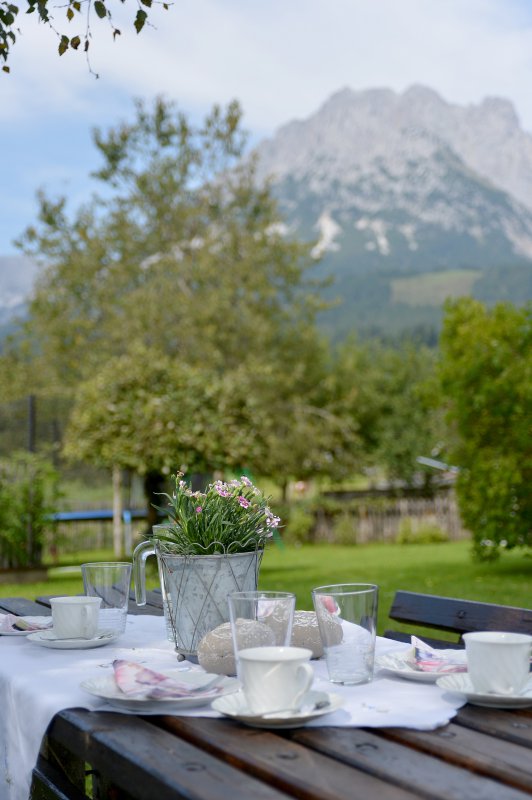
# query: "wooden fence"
{"type": "Point", "coordinates": [390, 519]}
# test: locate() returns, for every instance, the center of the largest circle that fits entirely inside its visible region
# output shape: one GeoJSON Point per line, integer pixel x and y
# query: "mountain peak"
{"type": "Point", "coordinates": [502, 109]}
{"type": "Point", "coordinates": [353, 130]}
{"type": "Point", "coordinates": [397, 187]}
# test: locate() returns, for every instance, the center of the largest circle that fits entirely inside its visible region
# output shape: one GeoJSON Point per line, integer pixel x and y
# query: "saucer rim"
{"type": "Point", "coordinates": [101, 633]}
{"type": "Point", "coordinates": [100, 640]}
{"type": "Point", "coordinates": [484, 698]}
{"type": "Point", "coordinates": [263, 721]}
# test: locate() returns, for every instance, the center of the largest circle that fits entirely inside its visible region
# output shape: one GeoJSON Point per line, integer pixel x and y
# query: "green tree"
{"type": "Point", "coordinates": [186, 256]}
{"type": "Point", "coordinates": [393, 403]}
{"type": "Point", "coordinates": [183, 271]}
{"type": "Point", "coordinates": [486, 377]}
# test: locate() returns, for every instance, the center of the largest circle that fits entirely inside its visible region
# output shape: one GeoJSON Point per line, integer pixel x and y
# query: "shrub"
{"type": "Point", "coordinates": [29, 492]}
{"type": "Point", "coordinates": [413, 531]}
{"type": "Point", "coordinates": [345, 529]}
{"type": "Point", "coordinates": [300, 524]}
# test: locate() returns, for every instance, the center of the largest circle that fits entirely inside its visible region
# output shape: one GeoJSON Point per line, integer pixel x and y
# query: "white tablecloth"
{"type": "Point", "coordinates": [37, 682]}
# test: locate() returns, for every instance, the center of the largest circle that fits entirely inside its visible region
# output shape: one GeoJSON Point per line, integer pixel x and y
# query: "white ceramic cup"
{"type": "Point", "coordinates": [75, 617]}
{"type": "Point", "coordinates": [497, 662]}
{"type": "Point", "coordinates": [275, 678]}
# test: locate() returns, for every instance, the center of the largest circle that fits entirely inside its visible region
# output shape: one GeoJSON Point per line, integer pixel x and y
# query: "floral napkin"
{"type": "Point", "coordinates": [424, 658]}
{"type": "Point", "coordinates": [10, 623]}
{"type": "Point", "coordinates": [139, 682]}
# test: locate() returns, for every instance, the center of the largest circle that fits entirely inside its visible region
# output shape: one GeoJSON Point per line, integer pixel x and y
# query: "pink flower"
{"type": "Point", "coordinates": [244, 502]}
{"type": "Point", "coordinates": [198, 509]}
{"type": "Point", "coordinates": [246, 481]}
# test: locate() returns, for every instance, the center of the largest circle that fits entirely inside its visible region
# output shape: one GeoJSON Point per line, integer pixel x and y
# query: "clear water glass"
{"type": "Point", "coordinates": [347, 620]}
{"type": "Point", "coordinates": [109, 580]}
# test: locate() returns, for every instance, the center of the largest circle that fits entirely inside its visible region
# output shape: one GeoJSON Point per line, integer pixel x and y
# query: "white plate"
{"type": "Point", "coordinates": [398, 664]}
{"type": "Point", "coordinates": [49, 639]}
{"type": "Point", "coordinates": [235, 706]}
{"type": "Point", "coordinates": [31, 620]}
{"type": "Point", "coordinates": [461, 684]}
{"type": "Point", "coordinates": [107, 689]}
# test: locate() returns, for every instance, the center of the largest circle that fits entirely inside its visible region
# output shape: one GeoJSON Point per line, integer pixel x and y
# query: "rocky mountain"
{"type": "Point", "coordinates": [409, 199]}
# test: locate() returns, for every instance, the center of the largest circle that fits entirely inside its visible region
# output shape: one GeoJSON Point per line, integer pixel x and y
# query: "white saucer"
{"type": "Point", "coordinates": [234, 706]}
{"type": "Point", "coordinates": [461, 684]}
{"type": "Point", "coordinates": [49, 639]}
{"type": "Point", "coordinates": [31, 621]}
{"type": "Point", "coordinates": [107, 689]}
{"type": "Point", "coordinates": [398, 664]}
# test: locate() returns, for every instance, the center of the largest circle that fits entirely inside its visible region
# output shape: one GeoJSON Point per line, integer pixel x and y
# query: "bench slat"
{"type": "Point", "coordinates": [458, 616]}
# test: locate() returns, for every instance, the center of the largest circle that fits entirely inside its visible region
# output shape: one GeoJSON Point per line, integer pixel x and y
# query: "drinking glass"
{"type": "Point", "coordinates": [109, 580]}
{"type": "Point", "coordinates": [260, 619]}
{"type": "Point", "coordinates": [347, 619]}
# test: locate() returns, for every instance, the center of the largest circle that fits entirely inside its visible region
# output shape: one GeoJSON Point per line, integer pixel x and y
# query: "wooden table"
{"type": "Point", "coordinates": [481, 755]}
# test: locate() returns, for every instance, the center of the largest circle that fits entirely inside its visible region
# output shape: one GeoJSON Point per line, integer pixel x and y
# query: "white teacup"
{"type": "Point", "coordinates": [75, 617]}
{"type": "Point", "coordinates": [497, 662]}
{"type": "Point", "coordinates": [275, 678]}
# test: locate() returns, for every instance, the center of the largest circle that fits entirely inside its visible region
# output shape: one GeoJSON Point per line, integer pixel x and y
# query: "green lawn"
{"type": "Point", "coordinates": [444, 569]}
{"type": "Point", "coordinates": [433, 288]}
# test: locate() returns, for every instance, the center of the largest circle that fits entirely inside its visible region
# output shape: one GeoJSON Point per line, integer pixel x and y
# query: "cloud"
{"type": "Point", "coordinates": [281, 58]}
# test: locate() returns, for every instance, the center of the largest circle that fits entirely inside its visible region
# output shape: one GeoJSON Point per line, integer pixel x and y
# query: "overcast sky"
{"type": "Point", "coordinates": [280, 58]}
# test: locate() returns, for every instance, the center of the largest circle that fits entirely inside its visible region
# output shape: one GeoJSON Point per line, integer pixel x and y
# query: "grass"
{"type": "Point", "coordinates": [433, 288]}
{"type": "Point", "coordinates": [444, 569]}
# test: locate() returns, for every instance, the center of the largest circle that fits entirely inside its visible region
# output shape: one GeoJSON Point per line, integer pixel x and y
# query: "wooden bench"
{"type": "Point", "coordinates": [455, 616]}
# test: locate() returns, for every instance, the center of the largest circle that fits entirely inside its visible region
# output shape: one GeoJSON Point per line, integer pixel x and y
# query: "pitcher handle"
{"type": "Point", "coordinates": [140, 554]}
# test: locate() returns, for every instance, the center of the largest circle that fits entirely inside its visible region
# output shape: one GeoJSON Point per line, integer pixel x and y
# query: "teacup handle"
{"type": "Point", "coordinates": [304, 677]}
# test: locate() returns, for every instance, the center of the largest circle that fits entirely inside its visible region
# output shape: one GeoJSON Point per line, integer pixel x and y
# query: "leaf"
{"type": "Point", "coordinates": [116, 33]}
{"type": "Point", "coordinates": [75, 42]}
{"type": "Point", "coordinates": [63, 45]}
{"type": "Point", "coordinates": [100, 9]}
{"type": "Point", "coordinates": [140, 19]}
{"type": "Point", "coordinates": [70, 14]}
{"type": "Point", "coordinates": [146, 3]}
{"type": "Point", "coordinates": [76, 5]}
{"type": "Point", "coordinates": [6, 69]}
{"type": "Point", "coordinates": [86, 45]}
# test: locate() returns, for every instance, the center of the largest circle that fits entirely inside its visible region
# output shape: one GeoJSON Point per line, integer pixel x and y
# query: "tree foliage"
{"type": "Point", "coordinates": [391, 396]}
{"type": "Point", "coordinates": [185, 256]}
{"type": "Point", "coordinates": [486, 375]}
{"type": "Point", "coordinates": [81, 12]}
{"type": "Point", "coordinates": [29, 491]}
{"type": "Point", "coordinates": [179, 313]}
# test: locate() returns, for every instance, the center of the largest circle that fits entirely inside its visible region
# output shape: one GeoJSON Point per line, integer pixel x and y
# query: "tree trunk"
{"type": "Point", "coordinates": [154, 484]}
{"type": "Point", "coordinates": [117, 511]}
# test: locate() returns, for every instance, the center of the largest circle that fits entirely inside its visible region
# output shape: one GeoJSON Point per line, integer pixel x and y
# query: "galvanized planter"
{"type": "Point", "coordinates": [195, 590]}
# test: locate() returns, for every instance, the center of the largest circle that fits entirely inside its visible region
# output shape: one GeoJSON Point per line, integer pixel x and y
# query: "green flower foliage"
{"type": "Point", "coordinates": [231, 517]}
{"type": "Point", "coordinates": [486, 377]}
